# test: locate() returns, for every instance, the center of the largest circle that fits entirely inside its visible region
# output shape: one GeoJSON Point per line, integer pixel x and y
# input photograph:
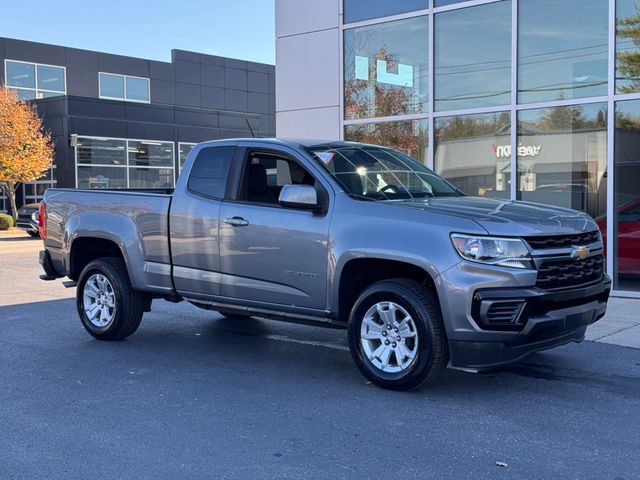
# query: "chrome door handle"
{"type": "Point", "coordinates": [236, 222]}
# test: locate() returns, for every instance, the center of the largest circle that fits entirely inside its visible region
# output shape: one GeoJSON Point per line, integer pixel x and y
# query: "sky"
{"type": "Point", "coordinates": [241, 29]}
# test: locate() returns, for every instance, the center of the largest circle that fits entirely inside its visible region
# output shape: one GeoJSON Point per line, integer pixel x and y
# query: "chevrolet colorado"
{"type": "Point", "coordinates": [340, 234]}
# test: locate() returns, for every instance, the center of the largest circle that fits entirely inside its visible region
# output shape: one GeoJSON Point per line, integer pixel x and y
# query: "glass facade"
{"type": "Point", "coordinates": [626, 214]}
{"type": "Point", "coordinates": [473, 152]}
{"type": "Point", "coordinates": [410, 136]}
{"type": "Point", "coordinates": [473, 57]}
{"type": "Point", "coordinates": [122, 163]}
{"type": "Point", "coordinates": [386, 69]}
{"type": "Point", "coordinates": [562, 49]}
{"type": "Point", "coordinates": [123, 87]}
{"type": "Point", "coordinates": [183, 152]}
{"type": "Point", "coordinates": [512, 99]}
{"type": "Point", "coordinates": [33, 80]}
{"type": "Point", "coordinates": [562, 157]}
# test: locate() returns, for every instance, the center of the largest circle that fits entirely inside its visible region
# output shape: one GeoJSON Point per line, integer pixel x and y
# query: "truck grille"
{"type": "Point", "coordinates": [560, 241]}
{"type": "Point", "coordinates": [569, 272]}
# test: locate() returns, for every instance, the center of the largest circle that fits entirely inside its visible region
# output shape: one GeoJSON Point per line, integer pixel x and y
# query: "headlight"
{"type": "Point", "coordinates": [506, 252]}
{"type": "Point", "coordinates": [34, 217]}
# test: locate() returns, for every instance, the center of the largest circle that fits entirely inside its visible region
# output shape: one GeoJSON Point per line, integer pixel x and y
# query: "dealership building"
{"type": "Point", "coordinates": [129, 122]}
{"type": "Point", "coordinates": [535, 100]}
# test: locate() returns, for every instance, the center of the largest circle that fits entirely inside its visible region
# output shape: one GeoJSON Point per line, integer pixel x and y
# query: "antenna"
{"type": "Point", "coordinates": [249, 125]}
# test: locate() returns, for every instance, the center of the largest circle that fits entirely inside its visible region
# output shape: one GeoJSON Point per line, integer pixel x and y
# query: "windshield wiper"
{"type": "Point", "coordinates": [361, 197]}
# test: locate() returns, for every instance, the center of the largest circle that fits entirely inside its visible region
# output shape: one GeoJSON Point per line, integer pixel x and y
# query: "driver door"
{"type": "Point", "coordinates": [268, 253]}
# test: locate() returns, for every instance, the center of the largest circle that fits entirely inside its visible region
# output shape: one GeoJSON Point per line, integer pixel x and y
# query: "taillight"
{"type": "Point", "coordinates": [42, 220]}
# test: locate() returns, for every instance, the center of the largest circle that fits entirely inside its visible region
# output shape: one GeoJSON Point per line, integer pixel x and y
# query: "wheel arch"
{"type": "Point", "coordinates": [358, 272]}
{"type": "Point", "coordinates": [84, 249]}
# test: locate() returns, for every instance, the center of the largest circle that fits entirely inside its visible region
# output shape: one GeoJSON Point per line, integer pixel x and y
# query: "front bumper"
{"type": "Point", "coordinates": [548, 318]}
{"type": "Point", "coordinates": [27, 224]}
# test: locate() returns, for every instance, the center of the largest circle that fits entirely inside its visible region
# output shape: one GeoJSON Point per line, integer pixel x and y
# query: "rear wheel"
{"type": "Point", "coordinates": [109, 307]}
{"type": "Point", "coordinates": [396, 334]}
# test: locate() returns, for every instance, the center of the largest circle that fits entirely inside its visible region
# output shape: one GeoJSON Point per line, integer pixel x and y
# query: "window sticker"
{"type": "Point", "coordinates": [326, 157]}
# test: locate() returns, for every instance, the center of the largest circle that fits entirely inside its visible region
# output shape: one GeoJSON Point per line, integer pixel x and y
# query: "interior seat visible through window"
{"type": "Point", "coordinates": [258, 189]}
{"type": "Point", "coordinates": [266, 173]}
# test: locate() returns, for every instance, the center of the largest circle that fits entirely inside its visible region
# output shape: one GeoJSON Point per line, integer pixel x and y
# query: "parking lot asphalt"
{"type": "Point", "coordinates": [192, 395]}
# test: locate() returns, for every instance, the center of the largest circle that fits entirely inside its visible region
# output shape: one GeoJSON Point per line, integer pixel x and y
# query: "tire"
{"type": "Point", "coordinates": [124, 306]}
{"type": "Point", "coordinates": [416, 350]}
{"type": "Point", "coordinates": [33, 234]}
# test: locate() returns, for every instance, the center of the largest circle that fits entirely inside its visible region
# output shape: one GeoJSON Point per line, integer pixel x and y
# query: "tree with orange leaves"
{"type": "Point", "coordinates": [26, 150]}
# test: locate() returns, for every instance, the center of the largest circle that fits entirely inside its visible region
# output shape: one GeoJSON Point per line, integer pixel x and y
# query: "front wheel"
{"type": "Point", "coordinates": [108, 306]}
{"type": "Point", "coordinates": [396, 334]}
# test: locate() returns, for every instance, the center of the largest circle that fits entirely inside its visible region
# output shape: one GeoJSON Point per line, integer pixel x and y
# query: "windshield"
{"type": "Point", "coordinates": [377, 173]}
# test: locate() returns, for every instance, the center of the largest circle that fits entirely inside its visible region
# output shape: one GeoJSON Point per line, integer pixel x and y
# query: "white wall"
{"type": "Point", "coordinates": [308, 68]}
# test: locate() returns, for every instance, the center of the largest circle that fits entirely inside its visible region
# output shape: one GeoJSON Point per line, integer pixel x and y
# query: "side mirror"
{"type": "Point", "coordinates": [302, 197]}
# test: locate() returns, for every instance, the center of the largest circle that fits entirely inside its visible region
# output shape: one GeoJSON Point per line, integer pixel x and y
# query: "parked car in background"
{"type": "Point", "coordinates": [28, 219]}
{"type": "Point", "coordinates": [338, 234]}
{"type": "Point", "coordinates": [628, 251]}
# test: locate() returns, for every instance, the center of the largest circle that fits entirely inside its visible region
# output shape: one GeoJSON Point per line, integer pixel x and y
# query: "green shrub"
{"type": "Point", "coordinates": [6, 221]}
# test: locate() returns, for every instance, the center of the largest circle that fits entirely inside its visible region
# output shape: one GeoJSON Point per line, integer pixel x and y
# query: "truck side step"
{"type": "Point", "coordinates": [70, 283]}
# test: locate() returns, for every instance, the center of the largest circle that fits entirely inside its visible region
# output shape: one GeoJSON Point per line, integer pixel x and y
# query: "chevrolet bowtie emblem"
{"type": "Point", "coordinates": [580, 253]}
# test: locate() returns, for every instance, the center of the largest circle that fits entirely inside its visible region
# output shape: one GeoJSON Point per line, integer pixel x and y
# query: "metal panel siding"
{"type": "Point", "coordinates": [199, 118]}
{"type": "Point", "coordinates": [187, 72]}
{"type": "Point", "coordinates": [162, 71]}
{"type": "Point", "coordinates": [212, 97]}
{"type": "Point", "coordinates": [235, 100]}
{"type": "Point", "coordinates": [212, 75]}
{"type": "Point", "coordinates": [188, 94]}
{"type": "Point", "coordinates": [34, 52]}
{"type": "Point", "coordinates": [235, 79]}
{"type": "Point", "coordinates": [163, 91]}
{"type": "Point", "coordinates": [83, 59]}
{"type": "Point", "coordinates": [83, 82]}
{"type": "Point", "coordinates": [123, 65]}
{"type": "Point", "coordinates": [258, 82]}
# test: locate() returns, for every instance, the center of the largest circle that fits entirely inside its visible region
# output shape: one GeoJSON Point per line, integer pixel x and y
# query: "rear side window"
{"type": "Point", "coordinates": [210, 170]}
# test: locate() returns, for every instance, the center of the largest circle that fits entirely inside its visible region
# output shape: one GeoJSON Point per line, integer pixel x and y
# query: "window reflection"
{"type": "Point", "coordinates": [473, 57]}
{"type": "Point", "coordinates": [357, 10]}
{"type": "Point", "coordinates": [627, 197]}
{"type": "Point", "coordinates": [562, 49]}
{"type": "Point", "coordinates": [32, 81]}
{"type": "Point", "coordinates": [101, 177]}
{"type": "Point", "coordinates": [409, 136]}
{"type": "Point", "coordinates": [21, 74]}
{"type": "Point", "coordinates": [474, 153]}
{"type": "Point", "coordinates": [386, 69]}
{"type": "Point", "coordinates": [183, 152]}
{"type": "Point", "coordinates": [562, 157]}
{"type": "Point", "coordinates": [118, 163]}
{"type": "Point", "coordinates": [627, 46]}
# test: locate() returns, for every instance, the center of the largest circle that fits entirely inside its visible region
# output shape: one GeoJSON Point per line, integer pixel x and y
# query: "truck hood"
{"type": "Point", "coordinates": [507, 217]}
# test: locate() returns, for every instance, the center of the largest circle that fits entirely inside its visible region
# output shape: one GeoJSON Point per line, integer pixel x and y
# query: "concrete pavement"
{"type": "Point", "coordinates": [192, 395]}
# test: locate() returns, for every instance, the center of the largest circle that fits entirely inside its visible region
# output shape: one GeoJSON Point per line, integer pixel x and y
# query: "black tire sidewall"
{"type": "Point", "coordinates": [104, 268]}
{"type": "Point", "coordinates": [389, 291]}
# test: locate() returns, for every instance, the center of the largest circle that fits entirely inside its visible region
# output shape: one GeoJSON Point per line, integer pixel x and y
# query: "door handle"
{"type": "Point", "coordinates": [236, 222]}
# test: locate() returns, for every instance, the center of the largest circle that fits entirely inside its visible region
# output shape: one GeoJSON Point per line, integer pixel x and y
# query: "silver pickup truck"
{"type": "Point", "coordinates": [340, 234]}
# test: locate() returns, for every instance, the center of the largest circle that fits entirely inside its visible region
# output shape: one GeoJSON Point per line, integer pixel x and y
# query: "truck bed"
{"type": "Point", "coordinates": [134, 219]}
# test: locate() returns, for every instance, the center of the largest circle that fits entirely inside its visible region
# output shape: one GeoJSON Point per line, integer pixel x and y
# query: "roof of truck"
{"type": "Point", "coordinates": [292, 142]}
